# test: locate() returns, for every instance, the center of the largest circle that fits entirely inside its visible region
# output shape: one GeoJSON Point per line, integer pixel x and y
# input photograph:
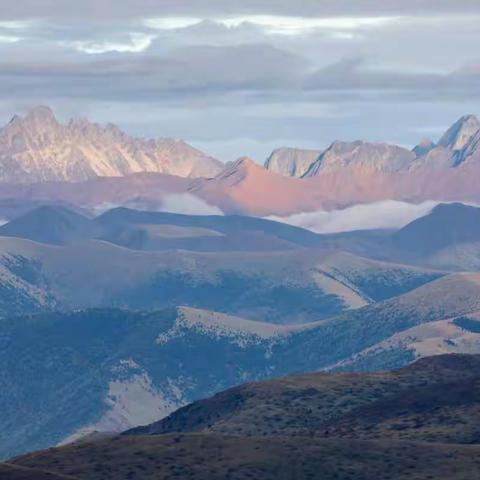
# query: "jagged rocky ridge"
{"type": "Point", "coordinates": [37, 148]}
{"type": "Point", "coordinates": [457, 145]}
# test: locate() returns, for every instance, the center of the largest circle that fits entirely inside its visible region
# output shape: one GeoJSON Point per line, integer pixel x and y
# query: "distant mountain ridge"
{"type": "Point", "coordinates": [37, 148]}
{"type": "Point", "coordinates": [458, 144]}
{"type": "Point", "coordinates": [88, 166]}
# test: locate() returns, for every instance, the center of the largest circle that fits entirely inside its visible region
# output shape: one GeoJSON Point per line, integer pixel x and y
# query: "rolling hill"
{"type": "Point", "coordinates": [54, 225]}
{"type": "Point", "coordinates": [215, 457]}
{"type": "Point", "coordinates": [412, 403]}
{"type": "Point", "coordinates": [143, 230]}
{"type": "Point", "coordinates": [298, 284]}
{"type": "Point", "coordinates": [447, 238]}
{"type": "Point", "coordinates": [446, 226]}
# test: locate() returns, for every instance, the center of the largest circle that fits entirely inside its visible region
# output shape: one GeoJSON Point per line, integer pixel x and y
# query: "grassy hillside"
{"type": "Point", "coordinates": [214, 457]}
{"type": "Point", "coordinates": [295, 287]}
{"type": "Point", "coordinates": [433, 400]}
{"type": "Point", "coordinates": [420, 422]}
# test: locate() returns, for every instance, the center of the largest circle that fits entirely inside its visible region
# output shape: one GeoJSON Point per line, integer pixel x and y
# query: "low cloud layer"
{"type": "Point", "coordinates": [183, 203]}
{"type": "Point", "coordinates": [387, 214]}
{"type": "Point", "coordinates": [188, 204]}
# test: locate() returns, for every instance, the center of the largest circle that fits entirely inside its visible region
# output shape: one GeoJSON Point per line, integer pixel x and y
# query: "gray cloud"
{"type": "Point", "coordinates": [252, 73]}
{"type": "Point", "coordinates": [353, 74]}
{"type": "Point", "coordinates": [108, 9]}
{"type": "Point", "coordinates": [182, 72]}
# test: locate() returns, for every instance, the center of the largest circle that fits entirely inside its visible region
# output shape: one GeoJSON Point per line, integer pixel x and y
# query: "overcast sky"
{"type": "Point", "coordinates": [243, 77]}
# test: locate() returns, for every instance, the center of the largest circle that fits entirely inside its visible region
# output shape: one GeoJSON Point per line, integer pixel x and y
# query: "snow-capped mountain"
{"type": "Point", "coordinates": [38, 148]}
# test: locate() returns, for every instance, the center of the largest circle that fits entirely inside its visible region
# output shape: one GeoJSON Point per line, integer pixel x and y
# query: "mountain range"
{"type": "Point", "coordinates": [37, 148]}
{"type": "Point", "coordinates": [459, 144]}
{"type": "Point", "coordinates": [111, 168]}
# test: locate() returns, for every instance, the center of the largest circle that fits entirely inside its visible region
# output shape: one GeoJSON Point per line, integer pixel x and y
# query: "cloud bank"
{"type": "Point", "coordinates": [385, 214]}
{"type": "Point", "coordinates": [188, 204]}
{"type": "Point", "coordinates": [183, 203]}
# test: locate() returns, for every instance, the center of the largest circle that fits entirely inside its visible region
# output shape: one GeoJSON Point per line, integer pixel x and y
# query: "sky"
{"type": "Point", "coordinates": [244, 77]}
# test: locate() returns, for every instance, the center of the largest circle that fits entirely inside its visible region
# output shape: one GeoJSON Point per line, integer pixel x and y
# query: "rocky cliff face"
{"type": "Point", "coordinates": [38, 148]}
{"type": "Point", "coordinates": [362, 156]}
{"type": "Point", "coordinates": [460, 133]}
{"type": "Point", "coordinates": [291, 162]}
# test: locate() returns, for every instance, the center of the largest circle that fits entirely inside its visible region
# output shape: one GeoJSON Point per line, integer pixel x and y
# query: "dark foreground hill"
{"type": "Point", "coordinates": [16, 472]}
{"type": "Point", "coordinates": [420, 422]}
{"type": "Point", "coordinates": [218, 457]}
{"type": "Point", "coordinates": [436, 399]}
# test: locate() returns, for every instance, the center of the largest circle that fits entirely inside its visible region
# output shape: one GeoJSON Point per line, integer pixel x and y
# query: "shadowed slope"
{"type": "Point", "coordinates": [215, 457]}
{"type": "Point", "coordinates": [323, 426]}
{"type": "Point", "coordinates": [436, 399]}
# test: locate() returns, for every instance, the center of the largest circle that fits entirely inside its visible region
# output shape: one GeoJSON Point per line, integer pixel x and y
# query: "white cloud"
{"type": "Point", "coordinates": [282, 25]}
{"type": "Point", "coordinates": [136, 42]}
{"type": "Point", "coordinates": [386, 214]}
{"type": "Point", "coordinates": [188, 204]}
{"type": "Point", "coordinates": [9, 30]}
{"type": "Point", "coordinates": [183, 203]}
{"type": "Point", "coordinates": [278, 24]}
{"type": "Point", "coordinates": [171, 23]}
{"type": "Point", "coordinates": [16, 24]}
{"type": "Point", "coordinates": [9, 39]}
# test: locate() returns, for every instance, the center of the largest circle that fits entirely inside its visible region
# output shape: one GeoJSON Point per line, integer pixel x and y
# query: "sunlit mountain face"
{"type": "Point", "coordinates": [239, 240]}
